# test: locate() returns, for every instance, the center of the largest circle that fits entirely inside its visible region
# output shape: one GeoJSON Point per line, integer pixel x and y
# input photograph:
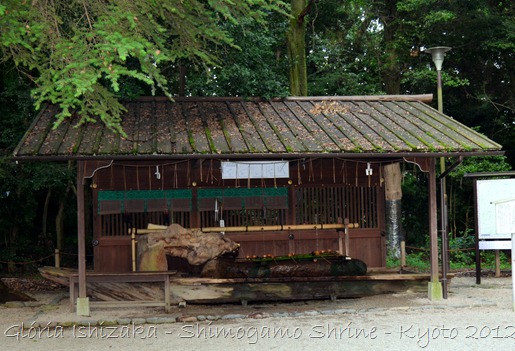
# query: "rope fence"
{"type": "Point", "coordinates": [450, 250]}
{"type": "Point", "coordinates": [27, 262]}
{"type": "Point", "coordinates": [57, 256]}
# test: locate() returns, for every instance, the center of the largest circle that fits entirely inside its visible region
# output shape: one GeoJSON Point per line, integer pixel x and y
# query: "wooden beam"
{"type": "Point", "coordinates": [433, 228]}
{"type": "Point", "coordinates": [258, 228]}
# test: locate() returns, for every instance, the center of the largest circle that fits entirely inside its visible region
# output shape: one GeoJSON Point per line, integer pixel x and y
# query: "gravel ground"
{"type": "Point", "coordinates": [474, 317]}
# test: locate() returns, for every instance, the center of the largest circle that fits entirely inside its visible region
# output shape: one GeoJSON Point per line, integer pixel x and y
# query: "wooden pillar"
{"type": "Point", "coordinates": [435, 292]}
{"type": "Point", "coordinates": [476, 234]}
{"type": "Point", "coordinates": [497, 263]}
{"type": "Point", "coordinates": [393, 202]}
{"type": "Point", "coordinates": [195, 213]}
{"type": "Point", "coordinates": [82, 300]}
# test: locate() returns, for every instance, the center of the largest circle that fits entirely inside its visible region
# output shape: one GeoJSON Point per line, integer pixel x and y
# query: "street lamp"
{"type": "Point", "coordinates": [438, 55]}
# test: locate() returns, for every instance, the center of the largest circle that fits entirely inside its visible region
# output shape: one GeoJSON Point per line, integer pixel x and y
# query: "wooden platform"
{"type": "Point", "coordinates": [165, 288]}
{"type": "Point", "coordinates": [145, 289]}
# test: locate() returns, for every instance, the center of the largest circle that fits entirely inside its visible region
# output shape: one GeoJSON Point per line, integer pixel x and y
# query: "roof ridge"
{"type": "Point", "coordinates": [417, 97]}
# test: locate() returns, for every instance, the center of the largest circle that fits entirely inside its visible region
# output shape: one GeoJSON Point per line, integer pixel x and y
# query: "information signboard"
{"type": "Point", "coordinates": [496, 208]}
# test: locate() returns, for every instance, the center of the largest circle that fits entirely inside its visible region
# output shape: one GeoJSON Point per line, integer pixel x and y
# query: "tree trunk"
{"type": "Point", "coordinates": [13, 236]}
{"type": "Point", "coordinates": [44, 220]}
{"type": "Point", "coordinates": [296, 38]}
{"type": "Point", "coordinates": [391, 75]}
{"type": "Point", "coordinates": [393, 191]}
{"type": "Point", "coordinates": [59, 223]}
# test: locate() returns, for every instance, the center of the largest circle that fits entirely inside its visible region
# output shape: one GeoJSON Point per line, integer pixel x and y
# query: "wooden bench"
{"type": "Point", "coordinates": [130, 277]}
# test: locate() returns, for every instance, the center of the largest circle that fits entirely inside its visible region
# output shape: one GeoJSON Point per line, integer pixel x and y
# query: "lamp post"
{"type": "Point", "coordinates": [438, 54]}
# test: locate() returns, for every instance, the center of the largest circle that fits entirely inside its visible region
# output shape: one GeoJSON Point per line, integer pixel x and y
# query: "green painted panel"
{"type": "Point", "coordinates": [108, 199]}
{"type": "Point", "coordinates": [105, 195]}
{"type": "Point", "coordinates": [242, 192]}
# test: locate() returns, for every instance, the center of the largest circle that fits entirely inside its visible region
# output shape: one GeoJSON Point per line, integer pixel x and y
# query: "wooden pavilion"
{"type": "Point", "coordinates": [208, 162]}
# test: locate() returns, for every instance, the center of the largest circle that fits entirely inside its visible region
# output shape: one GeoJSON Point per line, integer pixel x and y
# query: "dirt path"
{"type": "Point", "coordinates": [472, 318]}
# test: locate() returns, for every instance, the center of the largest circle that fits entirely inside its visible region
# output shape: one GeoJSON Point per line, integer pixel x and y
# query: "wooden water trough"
{"type": "Point", "coordinates": [148, 288]}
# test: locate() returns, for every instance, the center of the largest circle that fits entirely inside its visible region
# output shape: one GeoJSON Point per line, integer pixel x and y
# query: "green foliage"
{"type": "Point", "coordinates": [24, 187]}
{"type": "Point", "coordinates": [257, 70]}
{"type": "Point", "coordinates": [480, 164]}
{"type": "Point", "coordinates": [460, 199]}
{"type": "Point", "coordinates": [77, 52]}
{"type": "Point", "coordinates": [461, 251]}
{"type": "Point", "coordinates": [344, 47]}
{"type": "Point", "coordinates": [363, 47]}
{"type": "Point", "coordinates": [418, 261]}
{"type": "Point", "coordinates": [488, 260]}
{"type": "Point", "coordinates": [414, 207]}
{"type": "Point", "coordinates": [460, 189]}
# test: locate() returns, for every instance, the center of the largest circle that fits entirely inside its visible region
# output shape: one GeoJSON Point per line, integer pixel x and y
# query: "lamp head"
{"type": "Point", "coordinates": [438, 54]}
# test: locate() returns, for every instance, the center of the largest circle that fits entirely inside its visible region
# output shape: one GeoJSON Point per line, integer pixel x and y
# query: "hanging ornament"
{"type": "Point", "coordinates": [216, 210]}
{"type": "Point", "coordinates": [222, 225]}
{"type": "Point", "coordinates": [368, 171]}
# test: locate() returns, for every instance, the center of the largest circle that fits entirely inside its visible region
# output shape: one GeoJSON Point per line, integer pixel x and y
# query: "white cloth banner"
{"type": "Point", "coordinates": [255, 169]}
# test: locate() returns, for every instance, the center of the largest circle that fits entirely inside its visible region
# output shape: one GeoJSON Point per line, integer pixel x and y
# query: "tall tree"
{"type": "Point", "coordinates": [296, 41]}
{"type": "Point", "coordinates": [258, 68]}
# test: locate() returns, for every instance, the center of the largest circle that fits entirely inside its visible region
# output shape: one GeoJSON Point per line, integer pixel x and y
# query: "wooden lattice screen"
{"type": "Point", "coordinates": [322, 205]}
{"type": "Point", "coordinates": [243, 206]}
{"type": "Point", "coordinates": [121, 210]}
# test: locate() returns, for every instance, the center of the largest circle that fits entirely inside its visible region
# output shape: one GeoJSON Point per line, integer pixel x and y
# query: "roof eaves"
{"type": "Point", "coordinates": [285, 156]}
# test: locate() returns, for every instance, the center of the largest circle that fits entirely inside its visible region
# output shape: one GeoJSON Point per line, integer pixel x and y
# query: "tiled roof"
{"type": "Point", "coordinates": [196, 127]}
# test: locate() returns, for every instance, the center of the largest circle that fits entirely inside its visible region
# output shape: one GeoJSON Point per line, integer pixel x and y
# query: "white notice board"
{"type": "Point", "coordinates": [496, 208]}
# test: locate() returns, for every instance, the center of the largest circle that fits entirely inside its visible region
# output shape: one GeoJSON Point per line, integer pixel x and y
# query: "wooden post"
{"type": "Point", "coordinates": [435, 292]}
{"type": "Point", "coordinates": [340, 239]}
{"type": "Point", "coordinates": [403, 254]}
{"type": "Point", "coordinates": [476, 234]}
{"type": "Point", "coordinates": [72, 280]}
{"type": "Point", "coordinates": [133, 248]}
{"type": "Point", "coordinates": [513, 269]}
{"type": "Point", "coordinates": [393, 202]}
{"type": "Point", "coordinates": [82, 300]}
{"type": "Point", "coordinates": [497, 264]}
{"type": "Point", "coordinates": [167, 292]}
{"type": "Point", "coordinates": [346, 231]}
{"type": "Point", "coordinates": [291, 243]}
{"type": "Point", "coordinates": [57, 257]}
